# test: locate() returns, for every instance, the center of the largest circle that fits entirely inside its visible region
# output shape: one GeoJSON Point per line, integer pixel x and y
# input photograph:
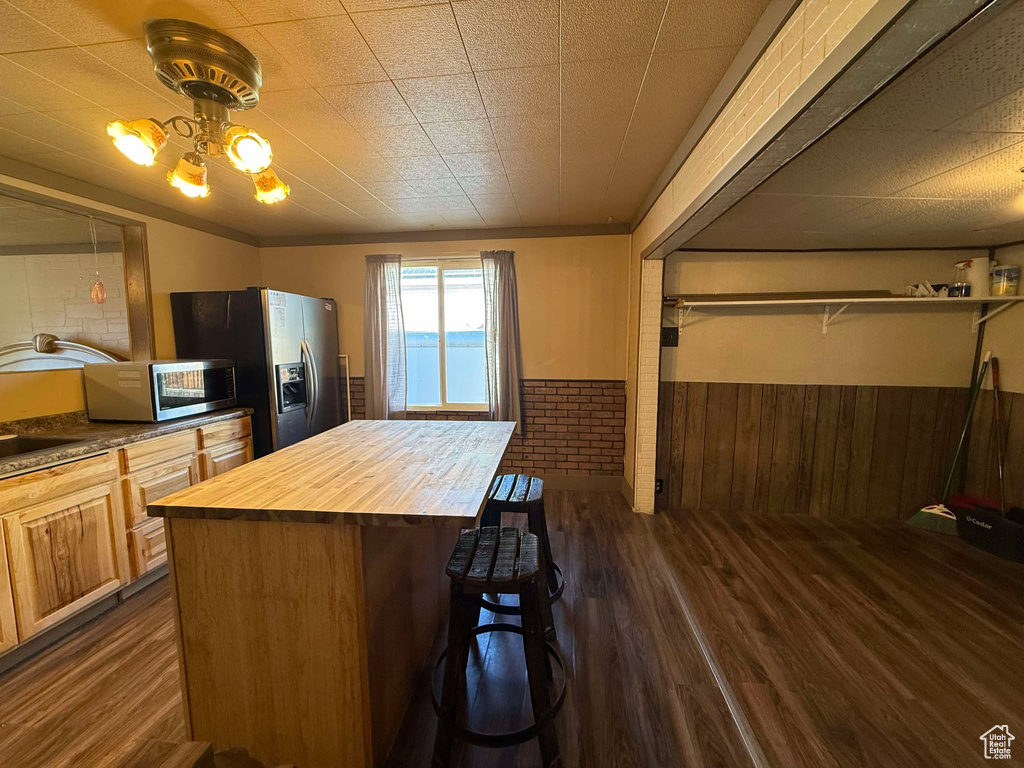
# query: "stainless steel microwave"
{"type": "Point", "coordinates": [157, 390]}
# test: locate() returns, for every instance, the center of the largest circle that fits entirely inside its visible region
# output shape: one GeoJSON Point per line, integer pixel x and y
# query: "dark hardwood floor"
{"type": "Point", "coordinates": [855, 644]}
{"type": "Point", "coordinates": [836, 644]}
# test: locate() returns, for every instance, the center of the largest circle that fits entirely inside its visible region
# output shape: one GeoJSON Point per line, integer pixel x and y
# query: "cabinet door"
{"type": "Point", "coordinates": [147, 547]}
{"type": "Point", "coordinates": [146, 487]}
{"type": "Point", "coordinates": [65, 554]}
{"type": "Point", "coordinates": [8, 625]}
{"type": "Point", "coordinates": [217, 461]}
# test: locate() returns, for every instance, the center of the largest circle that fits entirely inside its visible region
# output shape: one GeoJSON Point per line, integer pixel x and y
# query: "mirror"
{"type": "Point", "coordinates": [67, 293]}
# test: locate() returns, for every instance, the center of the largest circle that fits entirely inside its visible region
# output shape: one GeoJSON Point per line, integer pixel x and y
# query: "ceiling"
{"type": "Point", "coordinates": [388, 115]}
{"type": "Point", "coordinates": [23, 223]}
{"type": "Point", "coordinates": [934, 160]}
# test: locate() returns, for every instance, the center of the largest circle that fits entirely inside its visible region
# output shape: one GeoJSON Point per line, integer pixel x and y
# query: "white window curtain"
{"type": "Point", "coordinates": [384, 338]}
{"type": "Point", "coordinates": [501, 337]}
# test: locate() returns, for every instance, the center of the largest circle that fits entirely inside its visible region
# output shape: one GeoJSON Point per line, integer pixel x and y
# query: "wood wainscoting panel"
{"type": "Point", "coordinates": [822, 450]}
{"type": "Point", "coordinates": [981, 475]}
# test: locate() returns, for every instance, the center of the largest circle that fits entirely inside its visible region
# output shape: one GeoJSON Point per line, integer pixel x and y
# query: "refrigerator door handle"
{"type": "Point", "coordinates": [312, 382]}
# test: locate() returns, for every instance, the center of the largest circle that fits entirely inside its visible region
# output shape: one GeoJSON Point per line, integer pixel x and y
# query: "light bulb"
{"type": "Point", "coordinates": [269, 188]}
{"type": "Point", "coordinates": [189, 176]}
{"type": "Point", "coordinates": [138, 140]}
{"type": "Point", "coordinates": [247, 150]}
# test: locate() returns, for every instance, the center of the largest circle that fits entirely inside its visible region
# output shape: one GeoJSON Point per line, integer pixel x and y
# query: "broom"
{"type": "Point", "coordinates": [938, 517]}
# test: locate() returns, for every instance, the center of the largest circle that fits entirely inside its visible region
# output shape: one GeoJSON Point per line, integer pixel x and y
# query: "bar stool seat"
{"type": "Point", "coordinates": [524, 494]}
{"type": "Point", "coordinates": [496, 561]}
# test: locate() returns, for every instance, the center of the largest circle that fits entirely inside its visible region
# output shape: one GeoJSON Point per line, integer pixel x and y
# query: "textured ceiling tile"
{"type": "Point", "coordinates": [597, 29]}
{"type": "Point", "coordinates": [102, 21]}
{"type": "Point", "coordinates": [279, 74]}
{"type": "Point", "coordinates": [89, 77]}
{"type": "Point", "coordinates": [415, 42]}
{"type": "Point", "coordinates": [15, 144]}
{"type": "Point", "coordinates": [462, 220]}
{"type": "Point", "coordinates": [424, 204]}
{"type": "Point", "coordinates": [369, 104]}
{"type": "Point", "coordinates": [501, 217]}
{"type": "Point", "coordinates": [268, 11]}
{"type": "Point", "coordinates": [357, 6]}
{"type": "Point", "coordinates": [524, 91]}
{"type": "Point", "coordinates": [418, 188]}
{"type": "Point", "coordinates": [509, 33]}
{"type": "Point", "coordinates": [422, 167]}
{"type": "Point", "coordinates": [664, 113]}
{"type": "Point", "coordinates": [441, 99]}
{"type": "Point", "coordinates": [537, 131]}
{"type": "Point", "coordinates": [475, 164]}
{"type": "Point", "coordinates": [20, 32]}
{"type": "Point", "coordinates": [8, 107]}
{"type": "Point", "coordinates": [55, 133]}
{"type": "Point", "coordinates": [697, 24]}
{"type": "Point", "coordinates": [485, 185]}
{"type": "Point", "coordinates": [500, 200]}
{"type": "Point", "coordinates": [597, 101]}
{"type": "Point", "coordinates": [398, 140]}
{"type": "Point", "coordinates": [462, 136]}
{"type": "Point", "coordinates": [538, 162]}
{"type": "Point", "coordinates": [325, 51]}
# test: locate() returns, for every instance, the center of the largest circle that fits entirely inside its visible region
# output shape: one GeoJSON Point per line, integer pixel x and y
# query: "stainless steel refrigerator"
{"type": "Point", "coordinates": [285, 348]}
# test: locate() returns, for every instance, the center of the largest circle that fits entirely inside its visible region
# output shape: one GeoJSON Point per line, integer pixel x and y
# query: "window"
{"type": "Point", "coordinates": [444, 301]}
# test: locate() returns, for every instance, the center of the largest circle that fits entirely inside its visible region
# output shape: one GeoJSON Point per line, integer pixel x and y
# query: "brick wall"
{"type": "Point", "coordinates": [570, 426]}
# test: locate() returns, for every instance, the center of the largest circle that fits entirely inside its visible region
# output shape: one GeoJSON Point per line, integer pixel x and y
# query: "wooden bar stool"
{"type": "Point", "coordinates": [524, 495]}
{"type": "Point", "coordinates": [496, 561]}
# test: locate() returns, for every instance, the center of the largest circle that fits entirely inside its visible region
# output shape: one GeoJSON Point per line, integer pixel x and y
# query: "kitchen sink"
{"type": "Point", "coordinates": [19, 445]}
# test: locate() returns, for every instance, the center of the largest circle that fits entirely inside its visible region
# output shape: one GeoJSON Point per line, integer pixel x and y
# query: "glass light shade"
{"type": "Point", "coordinates": [247, 150]}
{"type": "Point", "coordinates": [269, 188]}
{"type": "Point", "coordinates": [138, 140]}
{"type": "Point", "coordinates": [189, 176]}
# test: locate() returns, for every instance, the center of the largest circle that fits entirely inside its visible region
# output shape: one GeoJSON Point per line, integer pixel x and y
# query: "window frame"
{"type": "Point", "coordinates": [451, 262]}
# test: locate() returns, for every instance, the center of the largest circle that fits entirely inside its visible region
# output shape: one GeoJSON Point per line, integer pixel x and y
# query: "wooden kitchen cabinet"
{"type": "Point", "coordinates": [64, 554]}
{"type": "Point", "coordinates": [8, 624]}
{"type": "Point", "coordinates": [147, 486]}
{"type": "Point", "coordinates": [217, 461]}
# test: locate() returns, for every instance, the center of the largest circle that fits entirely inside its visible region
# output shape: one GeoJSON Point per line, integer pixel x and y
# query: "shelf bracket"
{"type": "Point", "coordinates": [684, 315]}
{"type": "Point", "coordinates": [827, 319]}
{"type": "Point", "coordinates": [978, 318]}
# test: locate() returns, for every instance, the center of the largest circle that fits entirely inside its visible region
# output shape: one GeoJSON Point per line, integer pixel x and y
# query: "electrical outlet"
{"type": "Point", "coordinates": [669, 336]}
{"type": "Point", "coordinates": [657, 485]}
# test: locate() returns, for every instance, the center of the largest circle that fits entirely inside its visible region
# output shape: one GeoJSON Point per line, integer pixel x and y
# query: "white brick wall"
{"type": "Point", "coordinates": [648, 354]}
{"type": "Point", "coordinates": [51, 294]}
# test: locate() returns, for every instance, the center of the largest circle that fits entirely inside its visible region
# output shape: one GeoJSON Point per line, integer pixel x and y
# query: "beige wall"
{"type": "Point", "coordinates": [180, 258]}
{"type": "Point", "coordinates": [865, 345]}
{"type": "Point", "coordinates": [1004, 335]}
{"type": "Point", "coordinates": [572, 295]}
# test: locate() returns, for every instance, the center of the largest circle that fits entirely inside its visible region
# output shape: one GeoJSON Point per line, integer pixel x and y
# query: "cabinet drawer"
{"type": "Point", "coordinates": [221, 459]}
{"type": "Point", "coordinates": [224, 432]}
{"type": "Point", "coordinates": [151, 452]}
{"type": "Point", "coordinates": [145, 487]}
{"type": "Point", "coordinates": [65, 554]}
{"type": "Point", "coordinates": [53, 482]}
{"type": "Point", "coordinates": [147, 546]}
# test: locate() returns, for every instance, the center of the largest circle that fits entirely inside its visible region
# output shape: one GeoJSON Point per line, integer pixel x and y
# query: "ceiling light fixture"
{"type": "Point", "coordinates": [219, 75]}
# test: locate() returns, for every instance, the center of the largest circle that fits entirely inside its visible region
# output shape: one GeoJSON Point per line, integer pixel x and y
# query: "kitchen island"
{"type": "Point", "coordinates": [309, 585]}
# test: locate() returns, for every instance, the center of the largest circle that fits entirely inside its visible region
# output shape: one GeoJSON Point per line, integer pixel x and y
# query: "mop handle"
{"type": "Point", "coordinates": [975, 391]}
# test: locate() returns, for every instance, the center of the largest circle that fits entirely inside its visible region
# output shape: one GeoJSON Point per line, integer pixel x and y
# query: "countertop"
{"type": "Point", "coordinates": [95, 436]}
{"type": "Point", "coordinates": [429, 473]}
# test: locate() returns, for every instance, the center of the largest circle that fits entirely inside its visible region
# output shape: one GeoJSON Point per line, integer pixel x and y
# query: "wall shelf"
{"type": "Point", "coordinates": [834, 305]}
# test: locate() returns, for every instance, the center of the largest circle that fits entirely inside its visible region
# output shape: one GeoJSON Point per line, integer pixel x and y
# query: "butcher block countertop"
{"type": "Point", "coordinates": [428, 473]}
